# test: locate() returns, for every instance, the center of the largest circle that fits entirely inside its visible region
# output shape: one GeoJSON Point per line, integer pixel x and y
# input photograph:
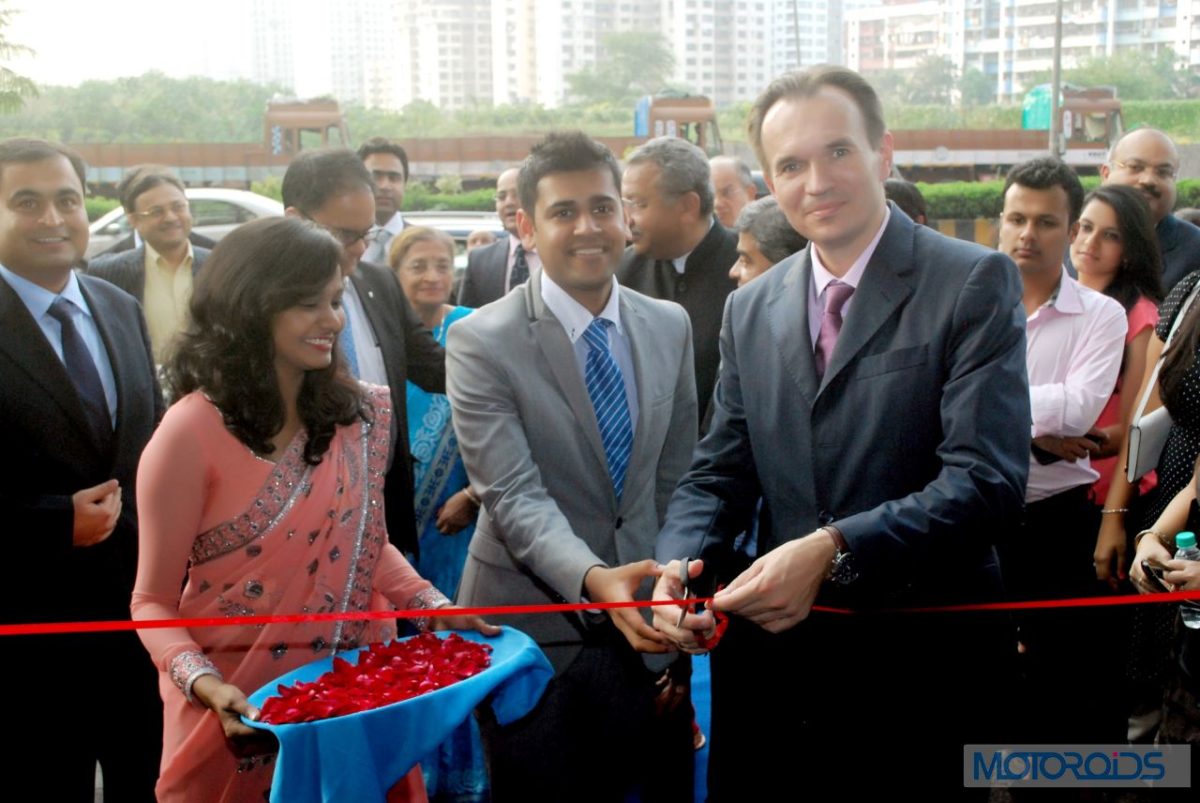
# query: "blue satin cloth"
{"type": "Point", "coordinates": [360, 756]}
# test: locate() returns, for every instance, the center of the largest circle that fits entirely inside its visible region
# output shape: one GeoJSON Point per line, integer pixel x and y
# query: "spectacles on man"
{"type": "Point", "coordinates": [177, 208]}
{"type": "Point", "coordinates": [348, 237]}
{"type": "Point", "coordinates": [1164, 171]}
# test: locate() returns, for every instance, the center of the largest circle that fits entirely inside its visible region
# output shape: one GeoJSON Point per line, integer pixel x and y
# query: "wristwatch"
{"type": "Point", "coordinates": [841, 570]}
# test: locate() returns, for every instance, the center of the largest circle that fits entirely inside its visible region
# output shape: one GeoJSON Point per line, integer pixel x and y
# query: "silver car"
{"type": "Point", "coordinates": [216, 211]}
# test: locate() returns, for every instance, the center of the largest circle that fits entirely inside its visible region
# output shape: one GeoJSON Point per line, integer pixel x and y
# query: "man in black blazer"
{"type": "Point", "coordinates": [159, 272]}
{"type": "Point", "coordinates": [79, 401]}
{"type": "Point", "coordinates": [495, 269]}
{"type": "Point", "coordinates": [384, 340]}
{"type": "Point", "coordinates": [873, 394]}
{"type": "Point", "coordinates": [680, 251]}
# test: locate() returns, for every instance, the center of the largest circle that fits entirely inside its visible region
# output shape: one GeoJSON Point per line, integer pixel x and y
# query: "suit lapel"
{"type": "Point", "coordinates": [556, 346]}
{"type": "Point", "coordinates": [25, 344]}
{"type": "Point", "coordinates": [499, 268]}
{"type": "Point", "coordinates": [787, 316]}
{"type": "Point", "coordinates": [884, 287]}
{"type": "Point", "coordinates": [638, 331]}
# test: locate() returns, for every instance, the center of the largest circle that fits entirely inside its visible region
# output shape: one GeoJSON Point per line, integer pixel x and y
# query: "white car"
{"type": "Point", "coordinates": [216, 211]}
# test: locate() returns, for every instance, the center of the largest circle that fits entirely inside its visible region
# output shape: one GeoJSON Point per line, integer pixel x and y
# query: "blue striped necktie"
{"type": "Point", "coordinates": [346, 341]}
{"type": "Point", "coordinates": [606, 387]}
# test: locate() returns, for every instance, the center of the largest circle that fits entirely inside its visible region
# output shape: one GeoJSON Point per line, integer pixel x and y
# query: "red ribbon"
{"type": "Point", "coordinates": [48, 628]}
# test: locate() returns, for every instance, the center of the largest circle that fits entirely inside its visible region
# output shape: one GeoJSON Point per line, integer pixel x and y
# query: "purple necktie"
{"type": "Point", "coordinates": [836, 295]}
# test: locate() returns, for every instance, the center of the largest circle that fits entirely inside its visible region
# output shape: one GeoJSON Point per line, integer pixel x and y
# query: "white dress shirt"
{"type": "Point", "coordinates": [531, 259]}
{"type": "Point", "coordinates": [366, 347]}
{"type": "Point", "coordinates": [377, 252]}
{"type": "Point", "coordinates": [1073, 349]}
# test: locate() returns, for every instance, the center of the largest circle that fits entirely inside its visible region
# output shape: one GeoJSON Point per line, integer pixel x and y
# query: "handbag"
{"type": "Point", "coordinates": [1148, 432]}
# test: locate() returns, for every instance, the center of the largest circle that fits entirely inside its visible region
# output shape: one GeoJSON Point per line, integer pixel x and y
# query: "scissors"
{"type": "Point", "coordinates": [687, 592]}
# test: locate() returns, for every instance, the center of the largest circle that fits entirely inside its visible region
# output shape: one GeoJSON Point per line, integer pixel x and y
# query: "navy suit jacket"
{"type": "Point", "coordinates": [127, 269]}
{"type": "Point", "coordinates": [1180, 244]}
{"type": "Point", "coordinates": [409, 352]}
{"type": "Point", "coordinates": [915, 444]}
{"type": "Point", "coordinates": [483, 281]}
{"type": "Point", "coordinates": [51, 452]}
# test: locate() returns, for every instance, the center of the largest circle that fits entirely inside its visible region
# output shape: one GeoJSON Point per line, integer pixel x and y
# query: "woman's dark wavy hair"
{"type": "Point", "coordinates": [227, 350]}
{"type": "Point", "coordinates": [1140, 272]}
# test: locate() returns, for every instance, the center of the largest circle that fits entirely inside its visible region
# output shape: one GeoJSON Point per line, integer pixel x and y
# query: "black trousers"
{"type": "Point", "coordinates": [594, 736]}
{"type": "Point", "coordinates": [857, 703]}
{"type": "Point", "coordinates": [1072, 690]}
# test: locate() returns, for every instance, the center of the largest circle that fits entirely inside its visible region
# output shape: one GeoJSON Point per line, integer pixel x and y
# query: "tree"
{"type": "Point", "coordinates": [14, 88]}
{"type": "Point", "coordinates": [976, 89]}
{"type": "Point", "coordinates": [1136, 75]}
{"type": "Point", "coordinates": [931, 81]}
{"type": "Point", "coordinates": [631, 64]}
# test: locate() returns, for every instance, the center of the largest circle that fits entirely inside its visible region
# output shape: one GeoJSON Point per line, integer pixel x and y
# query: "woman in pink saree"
{"type": "Point", "coordinates": [261, 493]}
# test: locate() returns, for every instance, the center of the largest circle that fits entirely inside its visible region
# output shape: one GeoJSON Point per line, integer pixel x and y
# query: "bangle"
{"type": "Point", "coordinates": [1107, 510]}
{"type": "Point", "coordinates": [471, 495]}
{"type": "Point", "coordinates": [1166, 541]}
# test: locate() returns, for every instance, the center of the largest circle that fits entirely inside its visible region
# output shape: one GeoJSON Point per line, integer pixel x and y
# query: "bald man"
{"type": "Point", "coordinates": [733, 188]}
{"type": "Point", "coordinates": [493, 270]}
{"type": "Point", "coordinates": [1147, 160]}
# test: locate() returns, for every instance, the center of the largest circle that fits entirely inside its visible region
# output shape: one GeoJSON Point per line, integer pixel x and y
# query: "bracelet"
{"type": "Point", "coordinates": [188, 667]}
{"type": "Point", "coordinates": [1107, 510]}
{"type": "Point", "coordinates": [1167, 541]}
{"type": "Point", "coordinates": [470, 492]}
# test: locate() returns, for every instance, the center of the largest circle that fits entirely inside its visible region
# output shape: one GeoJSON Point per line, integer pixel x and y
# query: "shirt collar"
{"type": "Point", "coordinates": [821, 275]}
{"type": "Point", "coordinates": [37, 299]}
{"type": "Point", "coordinates": [575, 317]}
{"type": "Point", "coordinates": [156, 259]}
{"type": "Point", "coordinates": [1065, 298]}
{"type": "Point", "coordinates": [680, 263]}
{"type": "Point", "coordinates": [395, 223]}
{"type": "Point", "coordinates": [513, 242]}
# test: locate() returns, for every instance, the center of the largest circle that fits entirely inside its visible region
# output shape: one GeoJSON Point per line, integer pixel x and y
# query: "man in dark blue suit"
{"type": "Point", "coordinates": [79, 400]}
{"type": "Point", "coordinates": [873, 393]}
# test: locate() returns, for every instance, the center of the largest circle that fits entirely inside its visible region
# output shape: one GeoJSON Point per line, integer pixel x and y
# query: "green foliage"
{"type": "Point", "coordinates": [15, 89]}
{"type": "Point", "coordinates": [1137, 75]}
{"type": "Point", "coordinates": [420, 198]}
{"type": "Point", "coordinates": [933, 80]}
{"type": "Point", "coordinates": [976, 88]}
{"type": "Point", "coordinates": [271, 187]}
{"type": "Point", "coordinates": [1189, 193]}
{"type": "Point", "coordinates": [630, 64]}
{"type": "Point", "coordinates": [98, 206]}
{"type": "Point", "coordinates": [980, 199]}
{"type": "Point", "coordinates": [147, 108]}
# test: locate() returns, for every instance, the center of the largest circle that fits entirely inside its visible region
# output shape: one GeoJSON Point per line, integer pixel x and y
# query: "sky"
{"type": "Point", "coordinates": [78, 40]}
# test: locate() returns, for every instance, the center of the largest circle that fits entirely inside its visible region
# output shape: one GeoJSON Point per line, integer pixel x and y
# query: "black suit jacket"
{"type": "Point", "coordinates": [127, 269]}
{"type": "Point", "coordinates": [51, 452]}
{"type": "Point", "coordinates": [409, 352]}
{"type": "Point", "coordinates": [701, 290]}
{"type": "Point", "coordinates": [1180, 245]}
{"type": "Point", "coordinates": [483, 281]}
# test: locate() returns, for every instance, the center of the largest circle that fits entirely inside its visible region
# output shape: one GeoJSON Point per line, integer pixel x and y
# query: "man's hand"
{"type": "Point", "coordinates": [1070, 449]}
{"type": "Point", "coordinates": [618, 585]}
{"type": "Point", "coordinates": [778, 589]}
{"type": "Point", "coordinates": [96, 512]}
{"type": "Point", "coordinates": [666, 617]}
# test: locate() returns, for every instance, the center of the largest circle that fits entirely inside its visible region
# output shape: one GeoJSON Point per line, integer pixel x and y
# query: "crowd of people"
{"type": "Point", "coordinates": [653, 385]}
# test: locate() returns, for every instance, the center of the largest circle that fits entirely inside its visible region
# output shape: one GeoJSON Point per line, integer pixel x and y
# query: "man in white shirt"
{"type": "Point", "coordinates": [1074, 342]}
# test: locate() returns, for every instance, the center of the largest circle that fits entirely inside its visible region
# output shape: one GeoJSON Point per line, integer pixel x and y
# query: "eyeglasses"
{"type": "Point", "coordinates": [178, 208]}
{"type": "Point", "coordinates": [420, 267]}
{"type": "Point", "coordinates": [1165, 172]}
{"type": "Point", "coordinates": [348, 237]}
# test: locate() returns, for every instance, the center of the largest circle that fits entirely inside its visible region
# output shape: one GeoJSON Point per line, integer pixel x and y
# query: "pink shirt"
{"type": "Point", "coordinates": [1073, 349]}
{"type": "Point", "coordinates": [822, 277]}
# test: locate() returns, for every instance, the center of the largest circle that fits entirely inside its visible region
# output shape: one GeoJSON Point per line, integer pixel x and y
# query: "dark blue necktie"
{"type": "Point", "coordinates": [606, 387]}
{"type": "Point", "coordinates": [346, 341]}
{"type": "Point", "coordinates": [520, 268]}
{"type": "Point", "coordinates": [82, 370]}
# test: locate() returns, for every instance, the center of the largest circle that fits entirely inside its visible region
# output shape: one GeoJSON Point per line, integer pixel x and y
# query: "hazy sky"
{"type": "Point", "coordinates": [80, 39]}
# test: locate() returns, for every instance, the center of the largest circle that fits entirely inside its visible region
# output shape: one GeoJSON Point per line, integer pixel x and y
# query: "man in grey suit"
{"type": "Point", "coordinates": [495, 269]}
{"type": "Point", "coordinates": [873, 393]}
{"type": "Point", "coordinates": [575, 408]}
{"type": "Point", "coordinates": [159, 272]}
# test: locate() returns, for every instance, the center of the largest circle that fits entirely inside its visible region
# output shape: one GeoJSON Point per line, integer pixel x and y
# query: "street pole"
{"type": "Point", "coordinates": [1056, 141]}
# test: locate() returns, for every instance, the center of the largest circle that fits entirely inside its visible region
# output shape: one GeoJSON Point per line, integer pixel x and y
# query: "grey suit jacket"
{"type": "Point", "coordinates": [483, 281]}
{"type": "Point", "coordinates": [127, 269]}
{"type": "Point", "coordinates": [915, 444]}
{"type": "Point", "coordinates": [528, 435]}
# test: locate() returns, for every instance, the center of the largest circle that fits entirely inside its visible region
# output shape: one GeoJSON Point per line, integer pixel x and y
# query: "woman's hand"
{"type": "Point", "coordinates": [1152, 551]}
{"type": "Point", "coordinates": [1182, 575]}
{"type": "Point", "coordinates": [458, 513]}
{"type": "Point", "coordinates": [1109, 555]}
{"type": "Point", "coordinates": [230, 704]}
{"type": "Point", "coordinates": [463, 623]}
